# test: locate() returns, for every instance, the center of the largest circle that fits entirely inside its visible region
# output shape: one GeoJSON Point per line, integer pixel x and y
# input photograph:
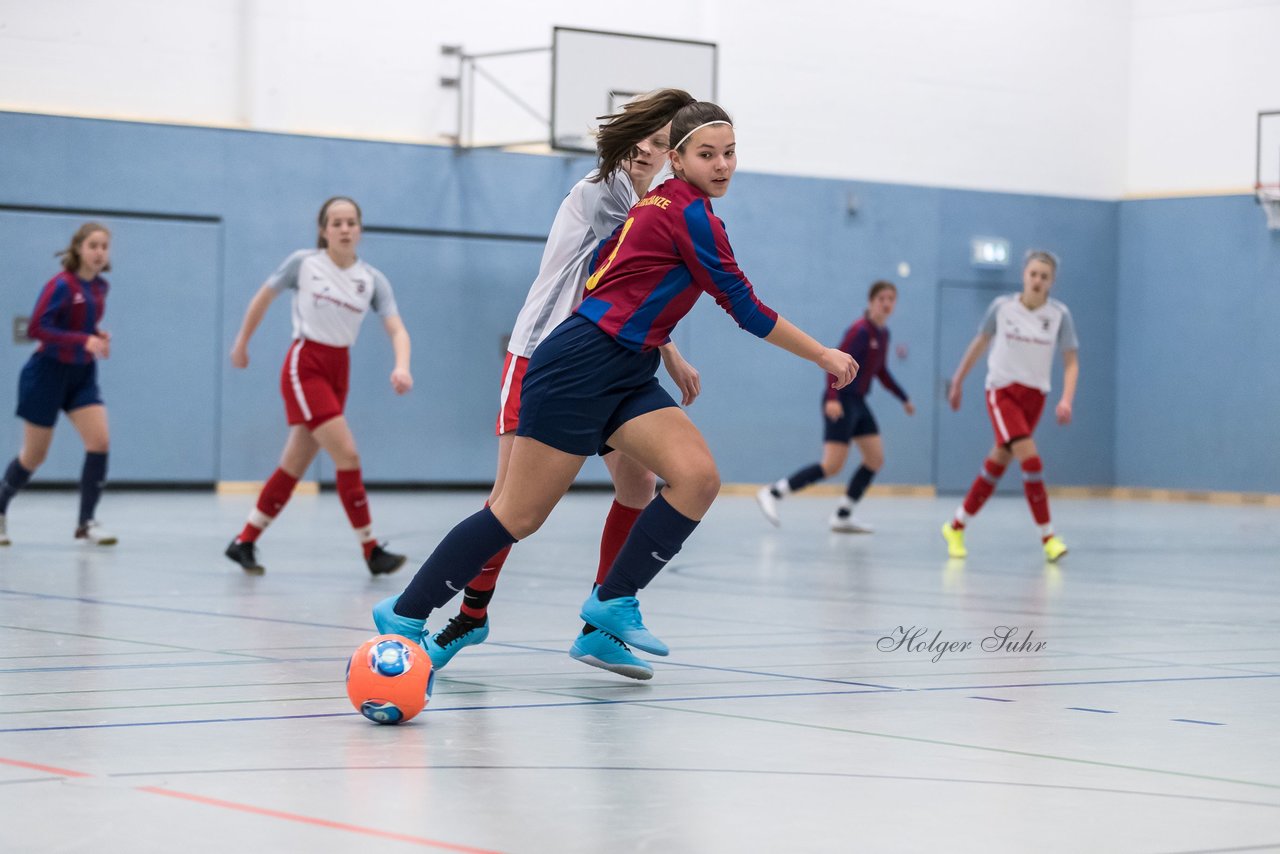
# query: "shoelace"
{"type": "Point", "coordinates": [458, 626]}
{"type": "Point", "coordinates": [616, 640]}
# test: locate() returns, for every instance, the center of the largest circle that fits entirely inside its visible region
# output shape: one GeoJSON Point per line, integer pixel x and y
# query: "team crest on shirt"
{"type": "Point", "coordinates": [360, 285]}
{"type": "Point", "coordinates": [1044, 324]}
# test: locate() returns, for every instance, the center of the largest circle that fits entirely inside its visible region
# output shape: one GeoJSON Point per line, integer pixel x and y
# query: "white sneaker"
{"type": "Point", "coordinates": [4, 535]}
{"type": "Point", "coordinates": [96, 534]}
{"type": "Point", "coordinates": [849, 525]}
{"type": "Point", "coordinates": [768, 505]}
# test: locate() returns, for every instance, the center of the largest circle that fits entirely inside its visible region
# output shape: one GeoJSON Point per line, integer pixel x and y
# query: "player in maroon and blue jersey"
{"type": "Point", "coordinates": [849, 419]}
{"type": "Point", "coordinates": [590, 388]}
{"type": "Point", "coordinates": [63, 375]}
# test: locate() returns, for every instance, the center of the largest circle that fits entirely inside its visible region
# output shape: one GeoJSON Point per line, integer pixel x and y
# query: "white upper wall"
{"type": "Point", "coordinates": [1200, 71]}
{"type": "Point", "coordinates": [1089, 98]}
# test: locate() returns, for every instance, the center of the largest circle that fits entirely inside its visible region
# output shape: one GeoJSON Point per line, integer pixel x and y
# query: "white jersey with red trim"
{"type": "Point", "coordinates": [329, 301]}
{"type": "Point", "coordinates": [588, 215]}
{"type": "Point", "coordinates": [1025, 341]}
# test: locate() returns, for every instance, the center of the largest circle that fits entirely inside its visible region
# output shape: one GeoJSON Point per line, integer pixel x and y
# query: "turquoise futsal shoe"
{"type": "Point", "coordinates": [391, 623]}
{"type": "Point", "coordinates": [449, 641]}
{"type": "Point", "coordinates": [621, 618]}
{"type": "Point", "coordinates": [603, 650]}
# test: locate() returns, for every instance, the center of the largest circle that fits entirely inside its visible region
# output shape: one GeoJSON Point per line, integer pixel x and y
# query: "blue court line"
{"type": "Point", "coordinates": [994, 699]}
{"type": "Point", "coordinates": [1193, 721]}
{"type": "Point", "coordinates": [159, 665]}
{"type": "Point", "coordinates": [1098, 711]}
{"type": "Point", "coordinates": [88, 601]}
{"type": "Point", "coordinates": [514, 706]}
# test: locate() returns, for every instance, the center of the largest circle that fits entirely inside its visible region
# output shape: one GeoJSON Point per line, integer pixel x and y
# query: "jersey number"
{"type": "Point", "coordinates": [604, 268]}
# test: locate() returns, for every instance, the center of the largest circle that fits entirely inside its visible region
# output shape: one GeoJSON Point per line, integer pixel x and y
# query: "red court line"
{"type": "Point", "coordinates": [48, 769]}
{"type": "Point", "coordinates": [319, 822]}
{"type": "Point", "coordinates": [249, 808]}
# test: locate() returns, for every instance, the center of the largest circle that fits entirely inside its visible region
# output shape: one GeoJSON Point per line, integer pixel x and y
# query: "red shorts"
{"type": "Point", "coordinates": [313, 383]}
{"type": "Point", "coordinates": [1014, 410]}
{"type": "Point", "coordinates": [513, 368]}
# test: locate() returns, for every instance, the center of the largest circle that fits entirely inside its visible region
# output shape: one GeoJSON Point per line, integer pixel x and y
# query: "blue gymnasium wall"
{"type": "Point", "coordinates": [222, 208]}
{"type": "Point", "coordinates": [1197, 380]}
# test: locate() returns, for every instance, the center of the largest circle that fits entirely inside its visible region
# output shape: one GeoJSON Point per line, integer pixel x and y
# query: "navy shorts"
{"type": "Point", "coordinates": [582, 385]}
{"type": "Point", "coordinates": [857, 421]}
{"type": "Point", "coordinates": [47, 385]}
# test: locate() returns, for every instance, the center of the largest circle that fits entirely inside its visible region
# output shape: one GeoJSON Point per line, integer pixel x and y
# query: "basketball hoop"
{"type": "Point", "coordinates": [1269, 198]}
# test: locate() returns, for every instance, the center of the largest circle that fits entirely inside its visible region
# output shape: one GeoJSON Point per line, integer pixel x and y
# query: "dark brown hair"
{"type": "Point", "coordinates": [878, 286]}
{"type": "Point", "coordinates": [620, 132]}
{"type": "Point", "coordinates": [323, 219]}
{"type": "Point", "coordinates": [695, 114]}
{"type": "Point", "coordinates": [71, 255]}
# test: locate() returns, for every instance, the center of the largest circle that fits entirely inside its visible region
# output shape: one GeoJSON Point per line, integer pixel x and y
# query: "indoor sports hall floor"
{"type": "Point", "coordinates": [152, 696]}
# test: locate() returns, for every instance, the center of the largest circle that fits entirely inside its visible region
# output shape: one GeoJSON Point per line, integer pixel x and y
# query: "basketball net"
{"type": "Point", "coordinates": [1269, 198]}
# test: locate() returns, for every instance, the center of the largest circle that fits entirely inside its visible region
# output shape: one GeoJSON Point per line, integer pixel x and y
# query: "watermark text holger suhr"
{"type": "Point", "coordinates": [918, 639]}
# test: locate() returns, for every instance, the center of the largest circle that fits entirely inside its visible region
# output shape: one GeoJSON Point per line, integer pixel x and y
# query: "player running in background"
{"type": "Point", "coordinates": [848, 418]}
{"type": "Point", "coordinates": [63, 375]}
{"type": "Point", "coordinates": [1027, 329]}
{"type": "Point", "coordinates": [332, 291]}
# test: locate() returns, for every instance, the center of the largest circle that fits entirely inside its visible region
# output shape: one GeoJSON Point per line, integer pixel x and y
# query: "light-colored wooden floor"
{"type": "Point", "coordinates": [152, 693]}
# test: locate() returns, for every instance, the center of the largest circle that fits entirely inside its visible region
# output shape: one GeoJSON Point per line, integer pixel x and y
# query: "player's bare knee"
{"type": "Point", "coordinates": [703, 482]}
{"type": "Point", "coordinates": [32, 459]}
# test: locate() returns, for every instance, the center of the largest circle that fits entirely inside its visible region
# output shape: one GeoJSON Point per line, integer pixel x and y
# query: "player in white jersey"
{"type": "Point", "coordinates": [632, 146]}
{"type": "Point", "coordinates": [1027, 329]}
{"type": "Point", "coordinates": [332, 291]}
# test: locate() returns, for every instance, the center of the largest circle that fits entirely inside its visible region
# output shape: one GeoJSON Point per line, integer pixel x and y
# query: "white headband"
{"type": "Point", "coordinates": [698, 128]}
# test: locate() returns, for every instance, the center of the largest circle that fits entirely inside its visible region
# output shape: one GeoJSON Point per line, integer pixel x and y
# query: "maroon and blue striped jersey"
{"type": "Point", "coordinates": [868, 344]}
{"type": "Point", "coordinates": [652, 269]}
{"type": "Point", "coordinates": [66, 314]}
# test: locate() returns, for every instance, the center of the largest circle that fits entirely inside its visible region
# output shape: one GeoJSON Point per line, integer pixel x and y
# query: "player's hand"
{"type": "Point", "coordinates": [1063, 412]}
{"type": "Point", "coordinates": [98, 346]}
{"type": "Point", "coordinates": [833, 409]}
{"type": "Point", "coordinates": [909, 407]}
{"type": "Point", "coordinates": [240, 356]}
{"type": "Point", "coordinates": [684, 375]}
{"type": "Point", "coordinates": [401, 381]}
{"type": "Point", "coordinates": [953, 394]}
{"type": "Point", "coordinates": [840, 365]}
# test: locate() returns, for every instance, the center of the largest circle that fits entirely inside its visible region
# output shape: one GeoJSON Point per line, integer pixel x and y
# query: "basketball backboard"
{"type": "Point", "coordinates": [1266, 182]}
{"type": "Point", "coordinates": [595, 72]}
{"type": "Point", "coordinates": [551, 97]}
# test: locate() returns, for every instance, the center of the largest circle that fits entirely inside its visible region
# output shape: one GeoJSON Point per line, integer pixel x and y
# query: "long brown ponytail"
{"type": "Point", "coordinates": [620, 132]}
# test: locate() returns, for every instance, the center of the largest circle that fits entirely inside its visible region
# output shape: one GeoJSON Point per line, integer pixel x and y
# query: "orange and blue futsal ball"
{"type": "Point", "coordinates": [389, 679]}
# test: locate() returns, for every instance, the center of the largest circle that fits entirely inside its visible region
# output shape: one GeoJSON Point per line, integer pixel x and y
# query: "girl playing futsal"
{"type": "Point", "coordinates": [332, 291]}
{"type": "Point", "coordinates": [848, 417]}
{"type": "Point", "coordinates": [591, 387]}
{"type": "Point", "coordinates": [1027, 329]}
{"type": "Point", "coordinates": [63, 375]}
{"type": "Point", "coordinates": [631, 146]}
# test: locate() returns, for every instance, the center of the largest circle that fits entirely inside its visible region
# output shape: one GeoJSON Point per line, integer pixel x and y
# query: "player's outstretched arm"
{"type": "Point", "coordinates": [1070, 375]}
{"type": "Point", "coordinates": [401, 379]}
{"type": "Point", "coordinates": [971, 354]}
{"type": "Point", "coordinates": [836, 362]}
{"type": "Point", "coordinates": [252, 318]}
